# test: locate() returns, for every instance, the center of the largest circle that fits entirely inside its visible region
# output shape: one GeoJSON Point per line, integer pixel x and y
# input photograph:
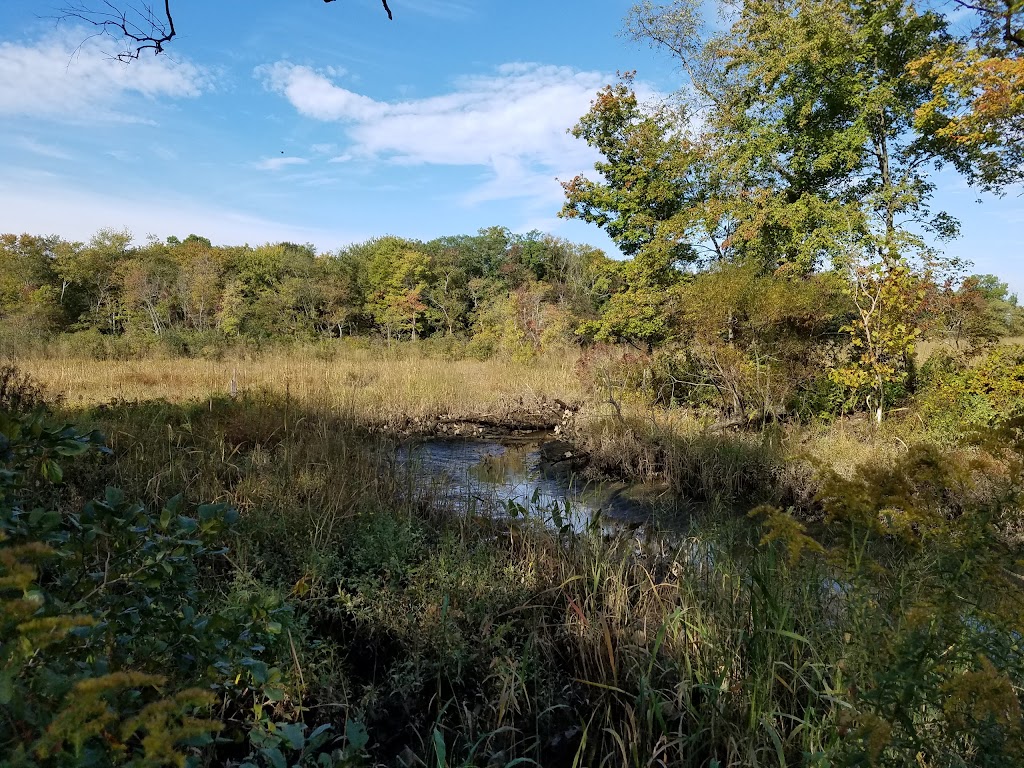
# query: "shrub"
{"type": "Point", "coordinates": [957, 398]}
{"type": "Point", "coordinates": [19, 392]}
{"type": "Point", "coordinates": [113, 642]}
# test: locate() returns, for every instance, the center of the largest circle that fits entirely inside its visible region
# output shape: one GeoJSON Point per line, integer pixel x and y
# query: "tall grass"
{"type": "Point", "coordinates": [377, 385]}
{"type": "Point", "coordinates": [465, 640]}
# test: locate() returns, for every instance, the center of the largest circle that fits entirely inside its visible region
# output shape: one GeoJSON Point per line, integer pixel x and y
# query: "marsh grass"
{"type": "Point", "coordinates": [466, 640]}
{"type": "Point", "coordinates": [460, 639]}
{"type": "Point", "coordinates": [491, 639]}
{"type": "Point", "coordinates": [374, 384]}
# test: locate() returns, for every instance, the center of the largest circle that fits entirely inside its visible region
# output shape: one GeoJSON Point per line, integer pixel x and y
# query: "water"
{"type": "Point", "coordinates": [513, 478]}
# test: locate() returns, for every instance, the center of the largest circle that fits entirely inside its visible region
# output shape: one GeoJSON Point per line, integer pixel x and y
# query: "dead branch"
{"type": "Point", "coordinates": [138, 24]}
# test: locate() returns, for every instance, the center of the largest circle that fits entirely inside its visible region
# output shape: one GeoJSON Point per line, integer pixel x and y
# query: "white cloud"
{"type": "Point", "coordinates": [62, 77]}
{"type": "Point", "coordinates": [513, 122]}
{"type": "Point", "coordinates": [277, 163]}
{"type": "Point", "coordinates": [43, 204]}
{"type": "Point", "coordinates": [43, 150]}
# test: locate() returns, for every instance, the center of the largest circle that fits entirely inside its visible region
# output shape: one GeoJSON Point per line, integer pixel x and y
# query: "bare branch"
{"type": "Point", "coordinates": [1002, 15]}
{"type": "Point", "coordinates": [139, 25]}
{"type": "Point", "coordinates": [135, 22]}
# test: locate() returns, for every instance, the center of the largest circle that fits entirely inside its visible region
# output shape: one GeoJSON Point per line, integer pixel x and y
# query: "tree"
{"type": "Point", "coordinates": [652, 193]}
{"type": "Point", "coordinates": [888, 299]}
{"type": "Point", "coordinates": [1000, 22]}
{"type": "Point", "coordinates": [28, 295]}
{"type": "Point", "coordinates": [94, 271]}
{"type": "Point", "coordinates": [397, 275]}
{"type": "Point", "coordinates": [806, 130]}
{"type": "Point", "coordinates": [137, 26]}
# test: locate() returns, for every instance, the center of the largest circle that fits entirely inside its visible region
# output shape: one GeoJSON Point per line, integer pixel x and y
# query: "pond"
{"type": "Point", "coordinates": [518, 476]}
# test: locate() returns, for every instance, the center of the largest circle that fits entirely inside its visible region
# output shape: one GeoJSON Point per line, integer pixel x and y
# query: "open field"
{"type": "Point", "coordinates": [374, 385]}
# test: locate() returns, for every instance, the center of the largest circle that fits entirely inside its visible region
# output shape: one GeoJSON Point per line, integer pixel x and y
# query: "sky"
{"type": "Point", "coordinates": [299, 120]}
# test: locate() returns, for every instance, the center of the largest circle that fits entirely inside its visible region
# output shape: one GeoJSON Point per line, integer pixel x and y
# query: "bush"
{"type": "Point", "coordinates": [957, 397]}
{"type": "Point", "coordinates": [114, 644]}
{"type": "Point", "coordinates": [19, 392]}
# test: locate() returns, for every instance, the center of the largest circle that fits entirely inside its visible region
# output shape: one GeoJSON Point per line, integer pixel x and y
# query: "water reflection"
{"type": "Point", "coordinates": [513, 478]}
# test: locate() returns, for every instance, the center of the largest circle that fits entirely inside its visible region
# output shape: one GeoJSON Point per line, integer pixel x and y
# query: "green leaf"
{"type": "Point", "coordinates": [274, 756]}
{"type": "Point", "coordinates": [257, 669]}
{"type": "Point", "coordinates": [293, 734]}
{"type": "Point", "coordinates": [319, 736]}
{"type": "Point", "coordinates": [6, 687]}
{"type": "Point", "coordinates": [51, 471]}
{"type": "Point", "coordinates": [440, 750]}
{"type": "Point", "coordinates": [356, 735]}
{"type": "Point", "coordinates": [71, 448]}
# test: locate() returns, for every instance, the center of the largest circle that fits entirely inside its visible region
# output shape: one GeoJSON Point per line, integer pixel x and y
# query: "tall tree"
{"type": "Point", "coordinates": [805, 134]}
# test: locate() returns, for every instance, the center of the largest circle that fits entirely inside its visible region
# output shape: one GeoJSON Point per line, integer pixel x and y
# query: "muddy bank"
{"type": "Point", "coordinates": [523, 418]}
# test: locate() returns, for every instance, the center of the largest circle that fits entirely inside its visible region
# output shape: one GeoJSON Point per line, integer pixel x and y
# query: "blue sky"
{"type": "Point", "coordinates": [325, 123]}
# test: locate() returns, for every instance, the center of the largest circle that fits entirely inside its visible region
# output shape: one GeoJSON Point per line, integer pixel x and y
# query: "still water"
{"type": "Point", "coordinates": [514, 478]}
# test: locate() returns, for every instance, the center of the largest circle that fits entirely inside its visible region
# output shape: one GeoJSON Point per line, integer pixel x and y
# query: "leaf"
{"type": "Point", "coordinates": [319, 736]}
{"type": "Point", "coordinates": [293, 734]}
{"type": "Point", "coordinates": [6, 687]}
{"type": "Point", "coordinates": [71, 448]}
{"type": "Point", "coordinates": [257, 669]}
{"type": "Point", "coordinates": [51, 471]}
{"type": "Point", "coordinates": [356, 735]}
{"type": "Point", "coordinates": [274, 756]}
{"type": "Point", "coordinates": [440, 750]}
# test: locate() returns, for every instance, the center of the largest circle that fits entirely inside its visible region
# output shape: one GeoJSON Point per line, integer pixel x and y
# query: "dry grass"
{"type": "Point", "coordinates": [929, 347]}
{"type": "Point", "coordinates": [394, 386]}
{"type": "Point", "coordinates": [373, 385]}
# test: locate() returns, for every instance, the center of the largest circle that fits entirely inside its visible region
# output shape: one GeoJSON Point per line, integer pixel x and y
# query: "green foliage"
{"type": "Point", "coordinates": [647, 199]}
{"type": "Point", "coordinates": [958, 397]}
{"type": "Point", "coordinates": [110, 299]}
{"type": "Point", "coordinates": [113, 642]}
{"type": "Point", "coordinates": [883, 332]}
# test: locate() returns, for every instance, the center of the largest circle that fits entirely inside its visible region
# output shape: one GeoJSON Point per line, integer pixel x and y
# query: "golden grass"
{"type": "Point", "coordinates": [395, 387]}
{"type": "Point", "coordinates": [375, 385]}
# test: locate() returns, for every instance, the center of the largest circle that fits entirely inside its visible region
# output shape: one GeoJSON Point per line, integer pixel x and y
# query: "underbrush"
{"type": "Point", "coordinates": [357, 621]}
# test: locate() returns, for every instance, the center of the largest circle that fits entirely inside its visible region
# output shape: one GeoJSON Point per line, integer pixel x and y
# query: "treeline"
{"type": "Point", "coordinates": [500, 290]}
{"type": "Point", "coordinates": [733, 336]}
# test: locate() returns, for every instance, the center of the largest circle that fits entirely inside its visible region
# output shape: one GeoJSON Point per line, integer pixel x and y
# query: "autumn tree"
{"type": "Point", "coordinates": [397, 277]}
{"type": "Point", "coordinates": [883, 331]}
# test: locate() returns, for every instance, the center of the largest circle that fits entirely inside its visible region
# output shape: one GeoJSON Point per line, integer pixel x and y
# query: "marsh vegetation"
{"type": "Point", "coordinates": [749, 497]}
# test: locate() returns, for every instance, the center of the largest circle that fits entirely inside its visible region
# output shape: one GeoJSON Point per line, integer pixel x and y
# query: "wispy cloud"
{"type": "Point", "coordinates": [63, 78]}
{"type": "Point", "coordinates": [513, 122]}
{"type": "Point", "coordinates": [277, 163]}
{"type": "Point", "coordinates": [34, 203]}
{"type": "Point", "coordinates": [43, 150]}
{"type": "Point", "coordinates": [443, 9]}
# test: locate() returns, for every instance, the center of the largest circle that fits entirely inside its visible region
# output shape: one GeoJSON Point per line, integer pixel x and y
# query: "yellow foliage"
{"type": "Point", "coordinates": [782, 526]}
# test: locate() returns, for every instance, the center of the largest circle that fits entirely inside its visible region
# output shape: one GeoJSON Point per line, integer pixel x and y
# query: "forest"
{"type": "Point", "coordinates": [264, 506]}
